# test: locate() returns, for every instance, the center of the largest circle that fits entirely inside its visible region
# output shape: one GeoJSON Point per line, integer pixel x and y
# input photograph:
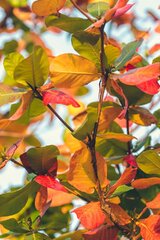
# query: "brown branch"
{"type": "Point", "coordinates": [82, 11]}
{"type": "Point", "coordinates": [129, 144]}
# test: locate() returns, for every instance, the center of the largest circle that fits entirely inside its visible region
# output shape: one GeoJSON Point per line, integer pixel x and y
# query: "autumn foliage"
{"type": "Point", "coordinates": [103, 181]}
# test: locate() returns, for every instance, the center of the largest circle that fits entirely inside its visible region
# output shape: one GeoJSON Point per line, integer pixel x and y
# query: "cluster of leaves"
{"type": "Point", "coordinates": [102, 161]}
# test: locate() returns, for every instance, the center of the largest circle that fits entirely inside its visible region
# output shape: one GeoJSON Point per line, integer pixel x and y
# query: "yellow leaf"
{"type": "Point", "coordinates": [47, 7]}
{"type": "Point", "coordinates": [70, 70]}
{"type": "Point", "coordinates": [118, 136]}
{"type": "Point", "coordinates": [72, 143]}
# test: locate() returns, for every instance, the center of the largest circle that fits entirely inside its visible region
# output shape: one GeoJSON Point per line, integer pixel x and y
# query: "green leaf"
{"type": "Point", "coordinates": [10, 47]}
{"type": "Point", "coordinates": [13, 202]}
{"type": "Point", "coordinates": [120, 190]}
{"type": "Point", "coordinates": [87, 126]}
{"type": "Point", "coordinates": [68, 24]}
{"type": "Point", "coordinates": [149, 162]}
{"type": "Point", "coordinates": [11, 61]}
{"type": "Point", "coordinates": [134, 95]}
{"type": "Point", "coordinates": [12, 225]}
{"type": "Point", "coordinates": [127, 53]}
{"type": "Point", "coordinates": [18, 3]}
{"type": "Point", "coordinates": [87, 45]}
{"type": "Point", "coordinates": [111, 53]}
{"type": "Point", "coordinates": [7, 95]}
{"type": "Point", "coordinates": [97, 9]}
{"type": "Point", "coordinates": [34, 69]}
{"type": "Point", "coordinates": [41, 159]}
{"type": "Point", "coordinates": [36, 108]}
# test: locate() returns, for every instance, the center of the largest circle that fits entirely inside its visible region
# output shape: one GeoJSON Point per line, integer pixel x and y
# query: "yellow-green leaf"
{"type": "Point", "coordinates": [70, 70]}
{"type": "Point", "coordinates": [34, 69]}
{"type": "Point", "coordinates": [7, 95]}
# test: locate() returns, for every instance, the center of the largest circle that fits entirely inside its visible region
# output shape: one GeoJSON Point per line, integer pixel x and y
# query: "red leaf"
{"type": "Point", "coordinates": [101, 233]}
{"type": "Point", "coordinates": [90, 215]}
{"type": "Point", "coordinates": [120, 3]}
{"type": "Point", "coordinates": [131, 160]}
{"type": "Point", "coordinates": [123, 10]}
{"type": "Point", "coordinates": [150, 227]}
{"type": "Point", "coordinates": [139, 75]}
{"type": "Point", "coordinates": [58, 97]}
{"type": "Point", "coordinates": [50, 182]}
{"type": "Point", "coordinates": [150, 87]}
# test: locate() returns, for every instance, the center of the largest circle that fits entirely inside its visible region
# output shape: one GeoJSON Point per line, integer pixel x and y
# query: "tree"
{"type": "Point", "coordinates": [101, 161]}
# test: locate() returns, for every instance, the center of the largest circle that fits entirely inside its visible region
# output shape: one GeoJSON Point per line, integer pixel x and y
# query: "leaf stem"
{"type": "Point", "coordinates": [39, 96]}
{"type": "Point", "coordinates": [129, 144]}
{"type": "Point", "coordinates": [82, 11]}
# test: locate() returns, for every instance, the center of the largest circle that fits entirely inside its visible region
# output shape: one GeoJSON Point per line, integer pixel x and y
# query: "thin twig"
{"type": "Point", "coordinates": [82, 11]}
{"type": "Point", "coordinates": [17, 163]}
{"type": "Point", "coordinates": [129, 144]}
{"type": "Point", "coordinates": [39, 96]}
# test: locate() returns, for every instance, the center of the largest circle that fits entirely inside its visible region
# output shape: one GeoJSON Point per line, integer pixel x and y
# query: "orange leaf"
{"type": "Point", "coordinates": [155, 48]}
{"type": "Point", "coordinates": [47, 7]}
{"type": "Point", "coordinates": [126, 178]}
{"type": "Point", "coordinates": [41, 201]}
{"type": "Point", "coordinates": [91, 216]}
{"type": "Point", "coordinates": [102, 170]}
{"type": "Point", "coordinates": [150, 227]}
{"type": "Point", "coordinates": [59, 198]}
{"type": "Point", "coordinates": [143, 183]}
{"type": "Point", "coordinates": [155, 203]}
{"type": "Point", "coordinates": [81, 173]}
{"type": "Point", "coordinates": [139, 75]}
{"type": "Point", "coordinates": [58, 97]}
{"type": "Point", "coordinates": [101, 233]}
{"type": "Point", "coordinates": [120, 215]}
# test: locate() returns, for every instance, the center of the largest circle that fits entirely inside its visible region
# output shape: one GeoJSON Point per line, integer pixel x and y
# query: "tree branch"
{"type": "Point", "coordinates": [82, 11]}
{"type": "Point", "coordinates": [129, 144]}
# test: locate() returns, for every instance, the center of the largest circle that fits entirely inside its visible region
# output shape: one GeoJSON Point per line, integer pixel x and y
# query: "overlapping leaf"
{"type": "Point", "coordinates": [68, 24]}
{"type": "Point", "coordinates": [79, 71]}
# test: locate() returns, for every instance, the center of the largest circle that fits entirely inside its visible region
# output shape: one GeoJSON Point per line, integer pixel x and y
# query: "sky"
{"type": "Point", "coordinates": [11, 175]}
